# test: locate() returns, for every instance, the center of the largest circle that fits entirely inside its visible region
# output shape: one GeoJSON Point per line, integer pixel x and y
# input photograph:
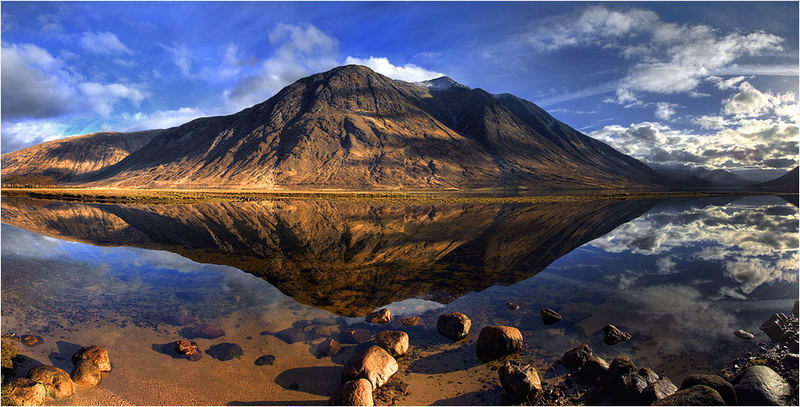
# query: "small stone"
{"type": "Point", "coordinates": [512, 306]}
{"type": "Point", "coordinates": [359, 335]}
{"type": "Point", "coordinates": [373, 364]}
{"type": "Point", "coordinates": [760, 386]}
{"type": "Point", "coordinates": [353, 393]}
{"type": "Point", "coordinates": [394, 342]}
{"type": "Point", "coordinates": [744, 334]}
{"type": "Point", "coordinates": [576, 357]}
{"type": "Point", "coordinates": [454, 325]}
{"type": "Point", "coordinates": [225, 351]}
{"type": "Point", "coordinates": [519, 380]}
{"type": "Point", "coordinates": [614, 335]}
{"type": "Point", "coordinates": [205, 331]}
{"type": "Point", "coordinates": [659, 390]}
{"type": "Point", "coordinates": [549, 316]}
{"type": "Point", "coordinates": [96, 354]}
{"type": "Point", "coordinates": [265, 360]}
{"type": "Point", "coordinates": [410, 321]}
{"type": "Point", "coordinates": [695, 396]}
{"type": "Point", "coordinates": [381, 316]}
{"type": "Point", "coordinates": [328, 347]}
{"type": "Point", "coordinates": [717, 383]}
{"type": "Point", "coordinates": [31, 340]}
{"type": "Point", "coordinates": [56, 381]}
{"type": "Point", "coordinates": [86, 373]}
{"type": "Point", "coordinates": [497, 341]}
{"type": "Point", "coordinates": [25, 392]}
{"type": "Point", "coordinates": [185, 347]}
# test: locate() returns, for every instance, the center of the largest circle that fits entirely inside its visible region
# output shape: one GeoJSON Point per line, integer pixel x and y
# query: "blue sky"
{"type": "Point", "coordinates": [700, 84]}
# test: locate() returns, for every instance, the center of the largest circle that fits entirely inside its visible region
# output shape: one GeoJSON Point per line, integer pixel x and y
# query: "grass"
{"type": "Point", "coordinates": [170, 196]}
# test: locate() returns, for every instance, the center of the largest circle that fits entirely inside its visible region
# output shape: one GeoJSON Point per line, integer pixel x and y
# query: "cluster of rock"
{"type": "Point", "coordinates": [50, 382]}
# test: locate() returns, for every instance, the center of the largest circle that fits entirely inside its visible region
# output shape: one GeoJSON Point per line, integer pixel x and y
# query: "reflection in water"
{"type": "Point", "coordinates": [344, 257]}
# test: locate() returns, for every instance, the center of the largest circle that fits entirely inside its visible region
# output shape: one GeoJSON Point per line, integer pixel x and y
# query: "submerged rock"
{"type": "Point", "coordinates": [454, 325]}
{"type": "Point", "coordinates": [205, 331]}
{"type": "Point", "coordinates": [549, 316]}
{"type": "Point", "coordinates": [291, 335]}
{"type": "Point", "coordinates": [760, 385]}
{"type": "Point", "coordinates": [744, 334]}
{"type": "Point", "coordinates": [519, 380]}
{"type": "Point", "coordinates": [614, 335]}
{"type": "Point", "coordinates": [86, 373]}
{"type": "Point", "coordinates": [394, 342]}
{"type": "Point", "coordinates": [31, 340]}
{"type": "Point", "coordinates": [717, 383]}
{"type": "Point", "coordinates": [265, 360]}
{"type": "Point", "coordinates": [695, 396]}
{"type": "Point", "coordinates": [512, 306]}
{"type": "Point", "coordinates": [658, 390]}
{"type": "Point", "coordinates": [359, 335]}
{"type": "Point", "coordinates": [410, 321]}
{"type": "Point", "coordinates": [24, 392]}
{"type": "Point", "coordinates": [381, 316]}
{"type": "Point", "coordinates": [328, 347]}
{"type": "Point", "coordinates": [225, 351]}
{"type": "Point", "coordinates": [496, 341]}
{"type": "Point", "coordinates": [353, 393]}
{"type": "Point", "coordinates": [96, 354]}
{"type": "Point", "coordinates": [576, 357]}
{"type": "Point", "coordinates": [56, 381]}
{"type": "Point", "coordinates": [373, 364]}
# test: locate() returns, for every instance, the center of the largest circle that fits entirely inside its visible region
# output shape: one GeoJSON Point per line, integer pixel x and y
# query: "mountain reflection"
{"type": "Point", "coordinates": [348, 258]}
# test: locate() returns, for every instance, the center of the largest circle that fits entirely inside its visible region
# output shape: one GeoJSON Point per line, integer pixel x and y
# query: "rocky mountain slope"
{"type": "Point", "coordinates": [352, 128]}
{"type": "Point", "coordinates": [789, 182]}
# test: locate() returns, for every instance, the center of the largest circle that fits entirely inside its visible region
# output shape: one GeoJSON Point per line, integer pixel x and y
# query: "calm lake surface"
{"type": "Point", "coordinates": [279, 277]}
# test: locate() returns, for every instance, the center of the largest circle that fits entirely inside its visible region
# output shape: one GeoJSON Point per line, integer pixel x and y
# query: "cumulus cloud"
{"type": "Point", "coordinates": [20, 134]}
{"type": "Point", "coordinates": [165, 118]}
{"type": "Point", "coordinates": [664, 110]}
{"type": "Point", "coordinates": [102, 43]}
{"type": "Point", "coordinates": [751, 102]}
{"type": "Point", "coordinates": [407, 72]}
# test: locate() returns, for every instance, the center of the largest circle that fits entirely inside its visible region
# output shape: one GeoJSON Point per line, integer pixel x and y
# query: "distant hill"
{"type": "Point", "coordinates": [701, 177]}
{"type": "Point", "coordinates": [352, 128]}
{"type": "Point", "coordinates": [785, 183]}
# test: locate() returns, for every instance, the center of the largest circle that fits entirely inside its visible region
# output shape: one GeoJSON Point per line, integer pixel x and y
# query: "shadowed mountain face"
{"type": "Point", "coordinates": [345, 257]}
{"type": "Point", "coordinates": [789, 182]}
{"type": "Point", "coordinates": [352, 128]}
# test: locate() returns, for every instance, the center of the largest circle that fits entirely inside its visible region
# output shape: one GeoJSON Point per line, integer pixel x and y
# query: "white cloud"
{"type": "Point", "coordinates": [664, 110]}
{"type": "Point", "coordinates": [102, 97]}
{"type": "Point", "coordinates": [20, 134]}
{"type": "Point", "coordinates": [181, 57]}
{"type": "Point", "coordinates": [711, 122]}
{"type": "Point", "coordinates": [751, 102]}
{"type": "Point", "coordinates": [407, 72]}
{"type": "Point", "coordinates": [103, 43]}
{"type": "Point", "coordinates": [726, 84]}
{"type": "Point", "coordinates": [165, 119]}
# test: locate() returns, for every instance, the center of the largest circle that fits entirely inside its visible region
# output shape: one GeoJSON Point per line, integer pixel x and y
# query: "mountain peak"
{"type": "Point", "coordinates": [440, 83]}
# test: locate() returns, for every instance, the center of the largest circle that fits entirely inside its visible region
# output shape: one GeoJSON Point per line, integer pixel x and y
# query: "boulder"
{"type": "Point", "coordinates": [519, 380]}
{"type": "Point", "coordinates": [57, 382]}
{"type": "Point", "coordinates": [497, 341]}
{"type": "Point", "coordinates": [549, 316]}
{"type": "Point", "coordinates": [658, 390]}
{"type": "Point", "coordinates": [776, 326]}
{"type": "Point", "coordinates": [381, 316]}
{"type": "Point", "coordinates": [576, 357]}
{"type": "Point", "coordinates": [592, 370]}
{"type": "Point", "coordinates": [410, 321]}
{"type": "Point", "coordinates": [96, 354]}
{"type": "Point", "coordinates": [185, 347]}
{"type": "Point", "coordinates": [86, 373]}
{"type": "Point", "coordinates": [205, 331]}
{"type": "Point", "coordinates": [24, 392]}
{"type": "Point", "coordinates": [625, 381]}
{"type": "Point", "coordinates": [454, 325]}
{"type": "Point", "coordinates": [225, 351]}
{"type": "Point", "coordinates": [695, 396]}
{"type": "Point", "coordinates": [328, 347]}
{"type": "Point", "coordinates": [395, 342]}
{"type": "Point", "coordinates": [717, 383]}
{"type": "Point", "coordinates": [760, 385]}
{"type": "Point", "coordinates": [373, 364]}
{"type": "Point", "coordinates": [353, 393]}
{"type": "Point", "coordinates": [614, 335]}
{"type": "Point", "coordinates": [744, 334]}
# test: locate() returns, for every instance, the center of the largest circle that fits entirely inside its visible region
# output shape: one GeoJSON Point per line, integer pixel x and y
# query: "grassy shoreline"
{"type": "Point", "coordinates": [165, 196]}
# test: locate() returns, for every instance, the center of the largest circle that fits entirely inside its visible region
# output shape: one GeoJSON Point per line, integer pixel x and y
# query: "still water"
{"type": "Point", "coordinates": [279, 277]}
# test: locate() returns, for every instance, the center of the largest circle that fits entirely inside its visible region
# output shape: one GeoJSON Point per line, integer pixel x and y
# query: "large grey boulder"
{"type": "Point", "coordinates": [373, 364]}
{"type": "Point", "coordinates": [761, 386]}
{"type": "Point", "coordinates": [717, 383]}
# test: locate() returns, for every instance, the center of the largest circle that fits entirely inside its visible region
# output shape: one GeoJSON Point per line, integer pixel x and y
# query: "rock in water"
{"type": "Point", "coordinates": [592, 370]}
{"type": "Point", "coordinates": [549, 316]}
{"type": "Point", "coordinates": [265, 360]}
{"type": "Point", "coordinates": [205, 331]}
{"type": "Point", "coordinates": [576, 357]}
{"type": "Point", "coordinates": [86, 373]}
{"type": "Point", "coordinates": [696, 396]}
{"type": "Point", "coordinates": [410, 321]}
{"type": "Point", "coordinates": [761, 386]}
{"type": "Point", "coordinates": [614, 335]}
{"type": "Point", "coordinates": [25, 392]}
{"type": "Point", "coordinates": [31, 340]}
{"type": "Point", "coordinates": [291, 335]}
{"type": "Point", "coordinates": [775, 326]}
{"type": "Point", "coordinates": [661, 389]}
{"type": "Point", "coordinates": [744, 334]}
{"type": "Point", "coordinates": [57, 382]}
{"type": "Point", "coordinates": [496, 341]}
{"type": "Point", "coordinates": [625, 381]}
{"type": "Point", "coordinates": [512, 306]}
{"type": "Point", "coordinates": [381, 316]}
{"type": "Point", "coordinates": [353, 393]}
{"type": "Point", "coordinates": [185, 347]}
{"type": "Point", "coordinates": [96, 354]}
{"type": "Point", "coordinates": [519, 380]}
{"type": "Point", "coordinates": [394, 342]}
{"type": "Point", "coordinates": [373, 364]}
{"type": "Point", "coordinates": [454, 325]}
{"type": "Point", "coordinates": [359, 335]}
{"type": "Point", "coordinates": [225, 351]}
{"type": "Point", "coordinates": [328, 347]}
{"type": "Point", "coordinates": [717, 383]}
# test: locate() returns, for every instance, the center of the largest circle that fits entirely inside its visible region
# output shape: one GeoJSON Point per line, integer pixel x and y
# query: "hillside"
{"type": "Point", "coordinates": [789, 182]}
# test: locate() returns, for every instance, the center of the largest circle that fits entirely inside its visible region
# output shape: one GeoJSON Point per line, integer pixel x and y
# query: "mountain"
{"type": "Point", "coordinates": [73, 158]}
{"type": "Point", "coordinates": [349, 258]}
{"type": "Point", "coordinates": [701, 177]}
{"type": "Point", "coordinates": [352, 128]}
{"type": "Point", "coordinates": [789, 182]}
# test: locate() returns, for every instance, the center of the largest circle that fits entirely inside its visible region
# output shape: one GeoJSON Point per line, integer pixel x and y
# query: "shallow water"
{"type": "Point", "coordinates": [679, 275]}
